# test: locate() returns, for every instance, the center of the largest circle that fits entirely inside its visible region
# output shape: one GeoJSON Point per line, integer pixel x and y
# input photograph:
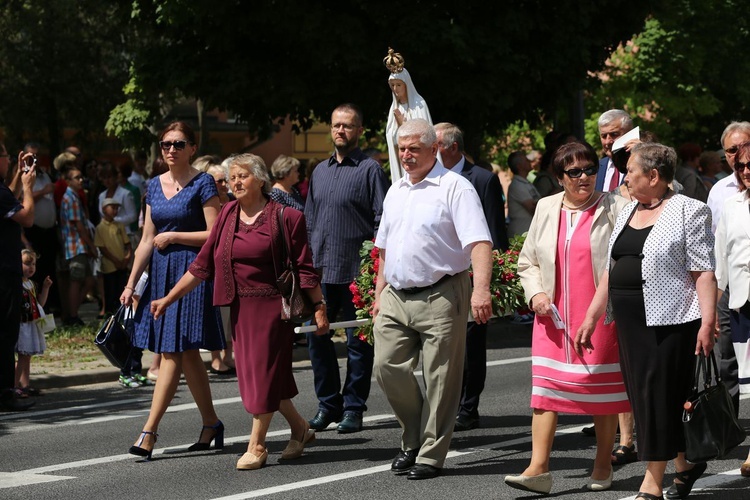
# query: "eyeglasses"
{"type": "Point", "coordinates": [739, 166]}
{"type": "Point", "coordinates": [167, 145]}
{"type": "Point", "coordinates": [575, 173]}
{"type": "Point", "coordinates": [345, 126]}
{"type": "Point", "coordinates": [220, 181]}
{"type": "Point", "coordinates": [732, 150]}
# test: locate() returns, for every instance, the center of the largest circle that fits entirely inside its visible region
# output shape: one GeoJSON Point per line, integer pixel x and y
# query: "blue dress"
{"type": "Point", "coordinates": [192, 322]}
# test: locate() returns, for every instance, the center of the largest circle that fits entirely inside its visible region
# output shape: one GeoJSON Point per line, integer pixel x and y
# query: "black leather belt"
{"type": "Point", "coordinates": [417, 289]}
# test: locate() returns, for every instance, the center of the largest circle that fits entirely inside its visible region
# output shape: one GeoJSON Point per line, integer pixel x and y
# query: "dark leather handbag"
{"type": "Point", "coordinates": [296, 307]}
{"type": "Point", "coordinates": [114, 339]}
{"type": "Point", "coordinates": [708, 419]}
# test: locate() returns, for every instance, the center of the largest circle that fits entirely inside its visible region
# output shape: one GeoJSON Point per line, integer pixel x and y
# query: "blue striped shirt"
{"type": "Point", "coordinates": [343, 209]}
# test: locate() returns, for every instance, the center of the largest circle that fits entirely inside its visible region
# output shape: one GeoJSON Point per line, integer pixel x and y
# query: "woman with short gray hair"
{"type": "Point", "coordinates": [285, 171]}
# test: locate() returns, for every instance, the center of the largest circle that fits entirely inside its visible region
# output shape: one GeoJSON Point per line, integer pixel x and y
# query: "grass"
{"type": "Point", "coordinates": [67, 346]}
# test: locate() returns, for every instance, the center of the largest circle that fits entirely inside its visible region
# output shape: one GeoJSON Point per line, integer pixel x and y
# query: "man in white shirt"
{"type": "Point", "coordinates": [612, 124]}
{"type": "Point", "coordinates": [432, 229]}
{"type": "Point", "coordinates": [735, 134]}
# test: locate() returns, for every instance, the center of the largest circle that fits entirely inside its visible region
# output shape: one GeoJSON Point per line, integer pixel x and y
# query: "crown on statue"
{"type": "Point", "coordinates": [394, 61]}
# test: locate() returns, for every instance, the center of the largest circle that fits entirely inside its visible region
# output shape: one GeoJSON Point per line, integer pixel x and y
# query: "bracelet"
{"type": "Point", "coordinates": [130, 288]}
{"type": "Point", "coordinates": [319, 303]}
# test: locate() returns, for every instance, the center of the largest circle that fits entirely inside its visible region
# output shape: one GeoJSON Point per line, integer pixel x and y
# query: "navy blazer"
{"type": "Point", "coordinates": [603, 173]}
{"type": "Point", "coordinates": [487, 186]}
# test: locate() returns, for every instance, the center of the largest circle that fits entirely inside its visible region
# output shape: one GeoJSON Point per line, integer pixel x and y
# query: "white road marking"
{"type": "Point", "coordinates": [15, 479]}
{"type": "Point", "coordinates": [705, 483]}
{"type": "Point", "coordinates": [57, 411]}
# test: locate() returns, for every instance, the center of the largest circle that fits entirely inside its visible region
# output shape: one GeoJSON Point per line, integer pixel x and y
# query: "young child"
{"type": "Point", "coordinates": [30, 338]}
{"type": "Point", "coordinates": [112, 241]}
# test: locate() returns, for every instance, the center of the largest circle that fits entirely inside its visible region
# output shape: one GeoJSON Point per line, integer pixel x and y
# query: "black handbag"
{"type": "Point", "coordinates": [114, 339]}
{"type": "Point", "coordinates": [710, 425]}
{"type": "Point", "coordinates": [296, 306]}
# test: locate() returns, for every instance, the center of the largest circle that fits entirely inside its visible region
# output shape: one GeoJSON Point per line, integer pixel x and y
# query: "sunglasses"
{"type": "Point", "coordinates": [575, 173]}
{"type": "Point", "coordinates": [739, 166]}
{"type": "Point", "coordinates": [167, 145]}
{"type": "Point", "coordinates": [732, 150]}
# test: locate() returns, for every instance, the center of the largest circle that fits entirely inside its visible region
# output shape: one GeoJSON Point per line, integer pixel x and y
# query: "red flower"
{"type": "Point", "coordinates": [353, 287]}
{"type": "Point", "coordinates": [375, 253]}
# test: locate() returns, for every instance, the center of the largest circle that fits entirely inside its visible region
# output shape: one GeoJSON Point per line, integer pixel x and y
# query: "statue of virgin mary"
{"type": "Point", "coordinates": [407, 104]}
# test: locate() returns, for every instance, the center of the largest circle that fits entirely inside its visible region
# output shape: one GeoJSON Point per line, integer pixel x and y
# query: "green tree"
{"type": "Point", "coordinates": [482, 65]}
{"type": "Point", "coordinates": [682, 74]}
{"type": "Point", "coordinates": [63, 64]}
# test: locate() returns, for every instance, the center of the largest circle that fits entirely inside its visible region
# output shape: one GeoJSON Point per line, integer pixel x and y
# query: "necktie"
{"type": "Point", "coordinates": [615, 180]}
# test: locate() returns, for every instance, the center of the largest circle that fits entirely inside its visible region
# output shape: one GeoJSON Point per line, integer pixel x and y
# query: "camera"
{"type": "Point", "coordinates": [29, 162]}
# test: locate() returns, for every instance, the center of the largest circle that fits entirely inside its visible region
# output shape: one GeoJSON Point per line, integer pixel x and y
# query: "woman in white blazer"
{"type": "Point", "coordinates": [560, 263]}
{"type": "Point", "coordinates": [661, 290]}
{"type": "Point", "coordinates": [733, 268]}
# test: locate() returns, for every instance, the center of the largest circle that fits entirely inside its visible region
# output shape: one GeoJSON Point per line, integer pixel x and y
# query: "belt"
{"type": "Point", "coordinates": [417, 289]}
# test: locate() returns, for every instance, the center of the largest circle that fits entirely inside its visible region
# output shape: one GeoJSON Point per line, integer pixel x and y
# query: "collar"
{"type": "Point", "coordinates": [433, 176]}
{"type": "Point", "coordinates": [459, 167]}
{"type": "Point", "coordinates": [353, 159]}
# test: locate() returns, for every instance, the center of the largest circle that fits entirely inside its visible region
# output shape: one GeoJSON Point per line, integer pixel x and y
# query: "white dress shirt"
{"type": "Point", "coordinates": [719, 194]}
{"type": "Point", "coordinates": [611, 169]}
{"type": "Point", "coordinates": [428, 228]}
{"type": "Point", "coordinates": [733, 250]}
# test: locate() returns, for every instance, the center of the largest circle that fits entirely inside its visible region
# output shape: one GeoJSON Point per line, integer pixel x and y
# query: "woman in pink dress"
{"type": "Point", "coordinates": [244, 255]}
{"type": "Point", "coordinates": [562, 258]}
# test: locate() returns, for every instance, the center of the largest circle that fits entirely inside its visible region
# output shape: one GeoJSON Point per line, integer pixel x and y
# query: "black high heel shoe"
{"type": "Point", "coordinates": [143, 452]}
{"type": "Point", "coordinates": [218, 438]}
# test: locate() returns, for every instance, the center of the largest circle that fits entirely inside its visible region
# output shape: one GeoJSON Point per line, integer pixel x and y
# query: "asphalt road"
{"type": "Point", "coordinates": [74, 446]}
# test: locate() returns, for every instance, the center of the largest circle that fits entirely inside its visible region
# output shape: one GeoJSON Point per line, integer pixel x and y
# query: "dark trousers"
{"type": "Point", "coordinates": [475, 369]}
{"type": "Point", "coordinates": [114, 283]}
{"type": "Point", "coordinates": [728, 365]}
{"type": "Point", "coordinates": [325, 365]}
{"type": "Point", "coordinates": [133, 365]}
{"type": "Point", "coordinates": [11, 293]}
{"type": "Point", "coordinates": [46, 245]}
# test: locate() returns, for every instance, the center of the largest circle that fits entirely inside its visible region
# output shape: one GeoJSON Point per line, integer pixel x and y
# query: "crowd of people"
{"type": "Point", "coordinates": [620, 268]}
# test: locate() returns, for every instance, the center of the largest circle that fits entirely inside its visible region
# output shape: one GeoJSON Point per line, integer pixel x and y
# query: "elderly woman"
{"type": "Point", "coordinates": [285, 172]}
{"type": "Point", "coordinates": [243, 256]}
{"type": "Point", "coordinates": [662, 290]}
{"type": "Point", "coordinates": [407, 104]}
{"type": "Point", "coordinates": [559, 266]}
{"type": "Point", "coordinates": [181, 206]}
{"type": "Point", "coordinates": [732, 257]}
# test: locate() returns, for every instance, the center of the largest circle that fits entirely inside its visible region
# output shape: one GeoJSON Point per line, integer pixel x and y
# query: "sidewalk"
{"type": "Point", "coordinates": [78, 375]}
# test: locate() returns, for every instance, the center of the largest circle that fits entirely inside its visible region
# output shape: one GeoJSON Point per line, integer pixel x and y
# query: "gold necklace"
{"type": "Point", "coordinates": [571, 207]}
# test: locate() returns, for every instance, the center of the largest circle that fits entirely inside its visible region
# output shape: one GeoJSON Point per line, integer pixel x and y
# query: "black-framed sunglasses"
{"type": "Point", "coordinates": [575, 173]}
{"type": "Point", "coordinates": [167, 145]}
{"type": "Point", "coordinates": [739, 166]}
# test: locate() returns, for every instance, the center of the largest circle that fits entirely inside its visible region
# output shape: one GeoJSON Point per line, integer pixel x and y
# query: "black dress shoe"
{"type": "Point", "coordinates": [352, 422]}
{"type": "Point", "coordinates": [423, 471]}
{"type": "Point", "coordinates": [13, 404]}
{"type": "Point", "coordinates": [404, 461]}
{"type": "Point", "coordinates": [465, 423]}
{"type": "Point", "coordinates": [322, 419]}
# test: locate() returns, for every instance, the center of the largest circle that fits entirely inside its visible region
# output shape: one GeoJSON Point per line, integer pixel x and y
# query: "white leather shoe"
{"type": "Point", "coordinates": [600, 484]}
{"type": "Point", "coordinates": [541, 483]}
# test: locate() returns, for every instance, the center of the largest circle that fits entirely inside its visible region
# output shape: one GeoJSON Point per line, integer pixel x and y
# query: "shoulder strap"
{"type": "Point", "coordinates": [285, 238]}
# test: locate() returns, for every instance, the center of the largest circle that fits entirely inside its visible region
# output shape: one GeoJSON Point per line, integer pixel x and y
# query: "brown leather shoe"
{"type": "Point", "coordinates": [294, 449]}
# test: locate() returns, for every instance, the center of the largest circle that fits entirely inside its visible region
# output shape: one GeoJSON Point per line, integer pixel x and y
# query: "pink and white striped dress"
{"type": "Point", "coordinates": [562, 380]}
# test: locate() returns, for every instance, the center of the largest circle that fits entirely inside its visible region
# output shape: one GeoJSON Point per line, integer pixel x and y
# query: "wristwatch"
{"type": "Point", "coordinates": [321, 302]}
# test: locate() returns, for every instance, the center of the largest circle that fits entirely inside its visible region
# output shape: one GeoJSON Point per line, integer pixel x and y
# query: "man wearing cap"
{"type": "Point", "coordinates": [432, 229]}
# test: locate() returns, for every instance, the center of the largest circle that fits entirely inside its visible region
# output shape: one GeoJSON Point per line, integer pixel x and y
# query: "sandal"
{"type": "Point", "coordinates": [622, 455]}
{"type": "Point", "coordinates": [647, 496]}
{"type": "Point", "coordinates": [20, 394]}
{"type": "Point", "coordinates": [31, 391]}
{"type": "Point", "coordinates": [688, 479]}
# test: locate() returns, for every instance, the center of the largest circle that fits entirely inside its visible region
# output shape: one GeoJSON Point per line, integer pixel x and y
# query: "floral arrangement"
{"type": "Point", "coordinates": [505, 286]}
{"type": "Point", "coordinates": [363, 287]}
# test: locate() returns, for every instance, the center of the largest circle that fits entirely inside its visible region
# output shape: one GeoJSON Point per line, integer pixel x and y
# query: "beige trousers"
{"type": "Point", "coordinates": [433, 322]}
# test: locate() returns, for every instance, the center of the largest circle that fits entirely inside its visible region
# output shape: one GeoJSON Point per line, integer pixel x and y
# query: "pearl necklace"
{"type": "Point", "coordinates": [571, 207]}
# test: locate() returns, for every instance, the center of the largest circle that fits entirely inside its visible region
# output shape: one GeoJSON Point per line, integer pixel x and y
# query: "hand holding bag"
{"type": "Point", "coordinates": [114, 340]}
{"type": "Point", "coordinates": [710, 426]}
{"type": "Point", "coordinates": [296, 306]}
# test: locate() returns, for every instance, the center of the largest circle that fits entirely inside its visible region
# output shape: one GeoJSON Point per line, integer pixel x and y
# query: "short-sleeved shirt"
{"type": "Point", "coordinates": [71, 211]}
{"type": "Point", "coordinates": [519, 191]}
{"type": "Point", "coordinates": [10, 232]}
{"type": "Point", "coordinates": [113, 237]}
{"type": "Point", "coordinates": [342, 210]}
{"type": "Point", "coordinates": [428, 228]}
{"type": "Point", "coordinates": [45, 211]}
